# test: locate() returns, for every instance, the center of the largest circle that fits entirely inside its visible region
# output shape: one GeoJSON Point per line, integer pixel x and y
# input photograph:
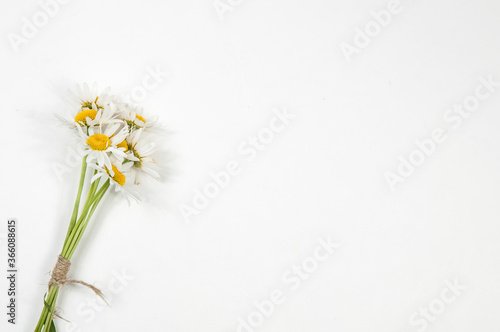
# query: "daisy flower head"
{"type": "Point", "coordinates": [135, 118]}
{"type": "Point", "coordinates": [102, 141]}
{"type": "Point", "coordinates": [103, 116]}
{"type": "Point", "coordinates": [139, 151]}
{"type": "Point", "coordinates": [86, 97]}
{"type": "Point", "coordinates": [119, 178]}
{"type": "Point", "coordinates": [89, 107]}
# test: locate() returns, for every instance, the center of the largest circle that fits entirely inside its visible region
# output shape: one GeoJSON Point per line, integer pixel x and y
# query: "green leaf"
{"type": "Point", "coordinates": [53, 327]}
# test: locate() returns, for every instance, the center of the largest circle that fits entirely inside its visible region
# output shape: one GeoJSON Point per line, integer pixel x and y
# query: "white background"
{"type": "Point", "coordinates": [322, 176]}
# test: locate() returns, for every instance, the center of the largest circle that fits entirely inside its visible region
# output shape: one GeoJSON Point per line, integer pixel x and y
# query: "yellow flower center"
{"type": "Point", "coordinates": [83, 115]}
{"type": "Point", "coordinates": [118, 177]}
{"type": "Point", "coordinates": [88, 104]}
{"type": "Point", "coordinates": [137, 163]}
{"type": "Point", "coordinates": [98, 142]}
{"type": "Point", "coordinates": [140, 117]}
{"type": "Point", "coordinates": [123, 144]}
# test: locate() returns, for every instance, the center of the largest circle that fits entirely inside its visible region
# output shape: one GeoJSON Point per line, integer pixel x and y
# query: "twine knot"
{"type": "Point", "coordinates": [60, 273]}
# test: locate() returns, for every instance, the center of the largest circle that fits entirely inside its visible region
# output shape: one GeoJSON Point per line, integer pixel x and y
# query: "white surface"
{"type": "Point", "coordinates": [321, 176]}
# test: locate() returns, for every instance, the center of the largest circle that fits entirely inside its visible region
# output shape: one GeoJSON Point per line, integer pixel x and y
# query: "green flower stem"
{"type": "Point", "coordinates": [50, 312]}
{"type": "Point", "coordinates": [92, 202]}
{"type": "Point", "coordinates": [99, 195]}
{"type": "Point", "coordinates": [93, 188]}
{"type": "Point", "coordinates": [42, 318]}
{"type": "Point", "coordinates": [77, 230]}
{"type": "Point", "coordinates": [77, 226]}
{"type": "Point", "coordinates": [50, 300]}
{"type": "Point", "coordinates": [86, 207]}
{"type": "Point", "coordinates": [52, 295]}
{"type": "Point", "coordinates": [78, 196]}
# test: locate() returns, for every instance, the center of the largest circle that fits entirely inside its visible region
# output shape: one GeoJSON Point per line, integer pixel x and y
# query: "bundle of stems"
{"type": "Point", "coordinates": [77, 225]}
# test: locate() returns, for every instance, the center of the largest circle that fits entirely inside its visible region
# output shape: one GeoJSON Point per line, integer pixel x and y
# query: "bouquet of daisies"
{"type": "Point", "coordinates": [117, 143]}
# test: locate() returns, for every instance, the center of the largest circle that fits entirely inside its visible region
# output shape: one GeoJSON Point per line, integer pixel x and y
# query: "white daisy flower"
{"type": "Point", "coordinates": [90, 113]}
{"type": "Point", "coordinates": [135, 117]}
{"type": "Point", "coordinates": [101, 141]}
{"type": "Point", "coordinates": [87, 97]}
{"type": "Point", "coordinates": [118, 176]}
{"type": "Point", "coordinates": [139, 152]}
{"type": "Point", "coordinates": [91, 118]}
